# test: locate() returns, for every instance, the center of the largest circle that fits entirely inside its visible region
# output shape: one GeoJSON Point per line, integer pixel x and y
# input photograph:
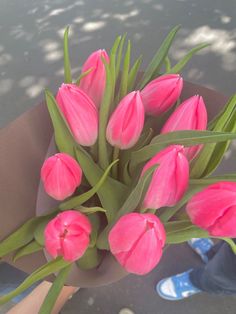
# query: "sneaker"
{"type": "Point", "coordinates": [201, 247]}
{"type": "Point", "coordinates": [177, 287]}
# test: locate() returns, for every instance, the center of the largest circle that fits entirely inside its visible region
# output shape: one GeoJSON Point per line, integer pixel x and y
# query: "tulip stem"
{"type": "Point", "coordinates": [94, 151]}
{"type": "Point", "coordinates": [114, 170]}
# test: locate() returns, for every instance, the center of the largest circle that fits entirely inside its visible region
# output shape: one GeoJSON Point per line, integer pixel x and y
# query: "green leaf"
{"type": "Point", "coordinates": [210, 180]}
{"type": "Point", "coordinates": [119, 55]}
{"type": "Point", "coordinates": [95, 222]}
{"type": "Point", "coordinates": [131, 204]}
{"type": "Point", "coordinates": [54, 291]}
{"type": "Point", "coordinates": [112, 193]}
{"type": "Point", "coordinates": [176, 226]}
{"type": "Point", "coordinates": [125, 155]}
{"type": "Point", "coordinates": [80, 199]}
{"type": "Point", "coordinates": [67, 70]}
{"type": "Point", "coordinates": [181, 64]}
{"type": "Point", "coordinates": [133, 74]}
{"type": "Point", "coordinates": [39, 229]}
{"type": "Point", "coordinates": [169, 212]}
{"type": "Point", "coordinates": [186, 138]}
{"type": "Point", "coordinates": [113, 63]}
{"type": "Point", "coordinates": [195, 186]}
{"type": "Point", "coordinates": [64, 139]}
{"type": "Point", "coordinates": [159, 57]}
{"type": "Point", "coordinates": [125, 73]}
{"type": "Point", "coordinates": [126, 177]}
{"type": "Point", "coordinates": [90, 210]}
{"type": "Point", "coordinates": [20, 237]}
{"type": "Point", "coordinates": [230, 243]}
{"type": "Point", "coordinates": [82, 75]}
{"type": "Point", "coordinates": [211, 155]}
{"type": "Point", "coordinates": [42, 272]}
{"type": "Point", "coordinates": [103, 119]}
{"type": "Point", "coordinates": [30, 248]}
{"type": "Point", "coordinates": [185, 234]}
{"type": "Point", "coordinates": [167, 64]}
{"type": "Point", "coordinates": [227, 110]}
{"type": "Point", "coordinates": [91, 259]}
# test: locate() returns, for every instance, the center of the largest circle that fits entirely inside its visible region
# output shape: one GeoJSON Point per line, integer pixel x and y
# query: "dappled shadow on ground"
{"type": "Point", "coordinates": [31, 41]}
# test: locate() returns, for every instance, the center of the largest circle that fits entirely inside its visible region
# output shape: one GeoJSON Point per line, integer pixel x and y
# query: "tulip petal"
{"type": "Point", "coordinates": [126, 123]}
{"type": "Point", "coordinates": [74, 247]}
{"type": "Point", "coordinates": [59, 183]}
{"type": "Point", "coordinates": [67, 235]}
{"type": "Point", "coordinates": [190, 115]}
{"type": "Point", "coordinates": [145, 255]}
{"type": "Point", "coordinates": [94, 83]}
{"type": "Point", "coordinates": [61, 175]}
{"type": "Point", "coordinates": [207, 206]}
{"type": "Point", "coordinates": [80, 113]}
{"type": "Point", "coordinates": [125, 233]}
{"type": "Point", "coordinates": [170, 179]}
{"type": "Point", "coordinates": [224, 226]}
{"type": "Point", "coordinates": [160, 94]}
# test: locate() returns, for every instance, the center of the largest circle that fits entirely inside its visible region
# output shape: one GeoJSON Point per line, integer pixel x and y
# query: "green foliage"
{"type": "Point", "coordinates": [67, 69]}
{"type": "Point", "coordinates": [211, 155]}
{"type": "Point", "coordinates": [39, 274]}
{"type": "Point", "coordinates": [54, 291]}
{"type": "Point", "coordinates": [159, 58]}
{"type": "Point", "coordinates": [30, 248]}
{"type": "Point", "coordinates": [82, 198]}
{"type": "Point", "coordinates": [186, 138]}
{"type": "Point", "coordinates": [131, 204]}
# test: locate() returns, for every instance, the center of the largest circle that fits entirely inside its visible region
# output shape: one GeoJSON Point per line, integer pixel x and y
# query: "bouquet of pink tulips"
{"type": "Point", "coordinates": [129, 155]}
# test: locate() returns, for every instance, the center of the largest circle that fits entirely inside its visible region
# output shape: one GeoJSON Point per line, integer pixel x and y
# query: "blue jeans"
{"type": "Point", "coordinates": [218, 276]}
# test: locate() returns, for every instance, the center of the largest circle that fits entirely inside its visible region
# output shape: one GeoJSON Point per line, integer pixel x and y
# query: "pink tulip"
{"type": "Point", "coordinates": [190, 115]}
{"type": "Point", "coordinates": [161, 94]}
{"type": "Point", "coordinates": [169, 180]}
{"type": "Point", "coordinates": [214, 209]}
{"type": "Point", "coordinates": [61, 175]}
{"type": "Point", "coordinates": [126, 123]}
{"type": "Point", "coordinates": [80, 113]}
{"type": "Point", "coordinates": [67, 235]}
{"type": "Point", "coordinates": [136, 241]}
{"type": "Point", "coordinates": [94, 83]}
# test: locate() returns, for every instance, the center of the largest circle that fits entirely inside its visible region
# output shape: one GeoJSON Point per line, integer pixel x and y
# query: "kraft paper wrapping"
{"type": "Point", "coordinates": [23, 146]}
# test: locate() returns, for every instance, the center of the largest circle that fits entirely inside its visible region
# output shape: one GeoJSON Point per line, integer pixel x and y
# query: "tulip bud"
{"type": "Point", "coordinates": [214, 209]}
{"type": "Point", "coordinates": [67, 235]}
{"type": "Point", "coordinates": [94, 83]}
{"type": "Point", "coordinates": [162, 93]}
{"type": "Point", "coordinates": [136, 241]}
{"type": "Point", "coordinates": [169, 180]}
{"type": "Point", "coordinates": [126, 123]}
{"type": "Point", "coordinates": [190, 115]}
{"type": "Point", "coordinates": [61, 175]}
{"type": "Point", "coordinates": [80, 113]}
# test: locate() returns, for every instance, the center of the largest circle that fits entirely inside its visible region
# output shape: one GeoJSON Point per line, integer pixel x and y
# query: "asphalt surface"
{"type": "Point", "coordinates": [31, 59]}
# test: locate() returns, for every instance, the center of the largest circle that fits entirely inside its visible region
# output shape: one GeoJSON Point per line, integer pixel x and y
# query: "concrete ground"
{"type": "Point", "coordinates": [31, 59]}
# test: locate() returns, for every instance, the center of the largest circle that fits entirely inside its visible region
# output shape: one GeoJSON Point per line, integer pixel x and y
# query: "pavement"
{"type": "Point", "coordinates": [31, 59]}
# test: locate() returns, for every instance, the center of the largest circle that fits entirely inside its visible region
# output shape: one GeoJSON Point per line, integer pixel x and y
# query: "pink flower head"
{"type": "Point", "coordinates": [61, 175]}
{"type": "Point", "coordinates": [214, 209]}
{"type": "Point", "coordinates": [80, 113]}
{"type": "Point", "coordinates": [126, 123]}
{"type": "Point", "coordinates": [94, 83]}
{"type": "Point", "coordinates": [67, 235]}
{"type": "Point", "coordinates": [162, 93]}
{"type": "Point", "coordinates": [169, 180]}
{"type": "Point", "coordinates": [136, 241]}
{"type": "Point", "coordinates": [190, 115]}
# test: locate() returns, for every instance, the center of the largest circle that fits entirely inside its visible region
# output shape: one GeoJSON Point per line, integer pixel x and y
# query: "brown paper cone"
{"type": "Point", "coordinates": [23, 147]}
